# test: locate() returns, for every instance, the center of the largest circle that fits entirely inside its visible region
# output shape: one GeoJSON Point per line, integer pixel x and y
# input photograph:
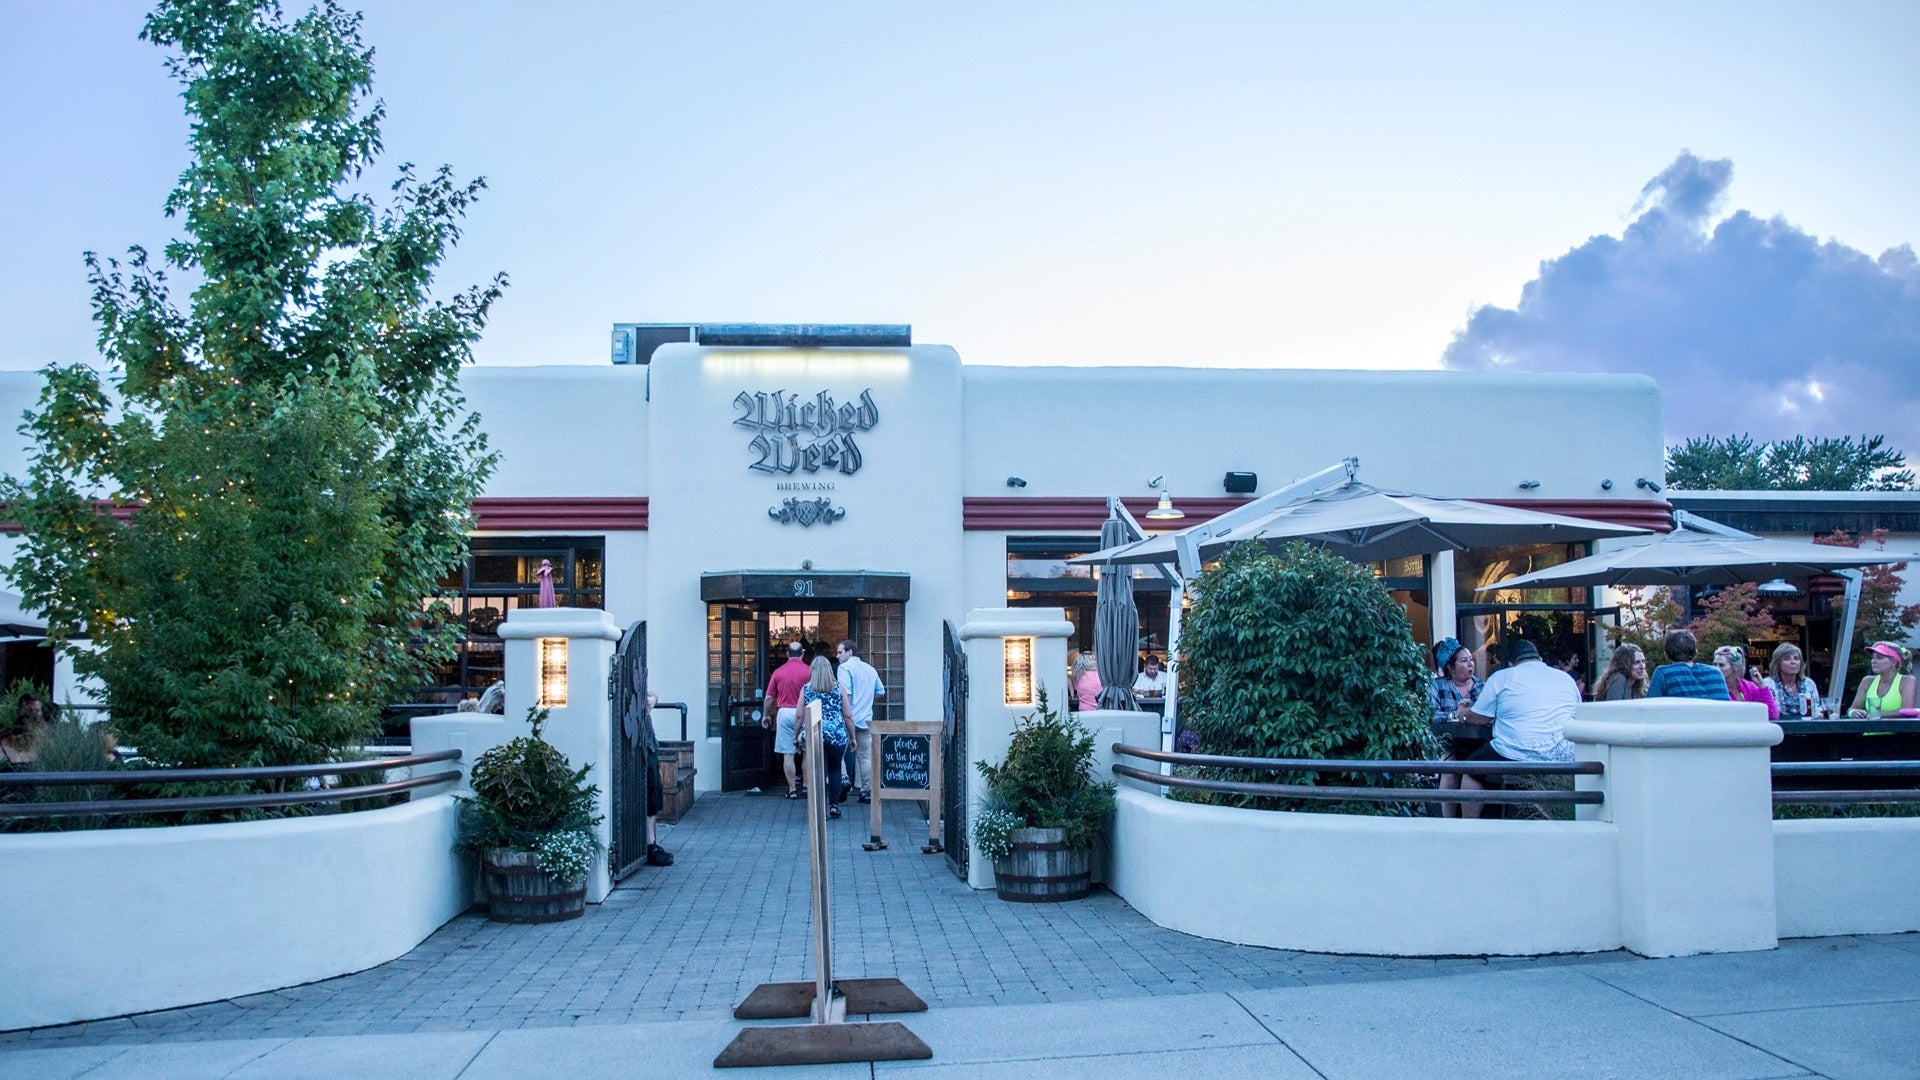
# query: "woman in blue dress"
{"type": "Point", "coordinates": [834, 710]}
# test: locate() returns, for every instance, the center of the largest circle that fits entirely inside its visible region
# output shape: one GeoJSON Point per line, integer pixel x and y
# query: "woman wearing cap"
{"type": "Point", "coordinates": [1886, 690]}
{"type": "Point", "coordinates": [1732, 660]}
{"type": "Point", "coordinates": [1792, 689]}
{"type": "Point", "coordinates": [1450, 694]}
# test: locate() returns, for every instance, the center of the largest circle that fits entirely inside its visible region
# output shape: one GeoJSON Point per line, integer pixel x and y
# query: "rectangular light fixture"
{"type": "Point", "coordinates": [553, 672]}
{"type": "Point", "coordinates": [1017, 653]}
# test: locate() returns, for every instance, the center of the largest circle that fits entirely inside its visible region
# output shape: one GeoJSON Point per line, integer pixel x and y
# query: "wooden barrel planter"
{"type": "Point", "coordinates": [518, 891]}
{"type": "Point", "coordinates": [1042, 869]}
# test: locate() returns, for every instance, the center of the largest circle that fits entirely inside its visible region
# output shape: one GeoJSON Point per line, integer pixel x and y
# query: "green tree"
{"type": "Point", "coordinates": [1738, 463]}
{"type": "Point", "coordinates": [1302, 655]}
{"type": "Point", "coordinates": [244, 512]}
{"type": "Point", "coordinates": [1881, 616]}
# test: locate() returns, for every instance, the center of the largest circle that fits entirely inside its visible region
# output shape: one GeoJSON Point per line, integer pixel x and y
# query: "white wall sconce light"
{"type": "Point", "coordinates": [553, 672]}
{"type": "Point", "coordinates": [1017, 660]}
{"type": "Point", "coordinates": [1165, 511]}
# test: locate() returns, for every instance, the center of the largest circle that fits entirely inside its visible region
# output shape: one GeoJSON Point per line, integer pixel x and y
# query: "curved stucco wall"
{"type": "Point", "coordinates": [1849, 876]}
{"type": "Point", "coordinates": [119, 921]}
{"type": "Point", "coordinates": [1345, 884]}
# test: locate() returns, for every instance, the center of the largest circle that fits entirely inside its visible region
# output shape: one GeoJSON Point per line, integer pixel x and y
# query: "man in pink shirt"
{"type": "Point", "coordinates": [782, 711]}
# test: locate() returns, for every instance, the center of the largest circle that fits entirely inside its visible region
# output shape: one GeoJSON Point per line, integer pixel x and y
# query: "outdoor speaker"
{"type": "Point", "coordinates": [1241, 483]}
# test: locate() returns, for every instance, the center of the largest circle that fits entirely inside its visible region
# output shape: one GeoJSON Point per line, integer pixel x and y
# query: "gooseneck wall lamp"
{"type": "Point", "coordinates": [1165, 510]}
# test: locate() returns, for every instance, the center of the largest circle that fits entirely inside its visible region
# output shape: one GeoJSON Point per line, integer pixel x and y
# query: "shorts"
{"type": "Point", "coordinates": [786, 732]}
{"type": "Point", "coordinates": [656, 797]}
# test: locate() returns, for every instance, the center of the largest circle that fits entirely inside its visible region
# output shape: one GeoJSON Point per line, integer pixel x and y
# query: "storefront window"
{"type": "Point", "coordinates": [501, 574]}
{"type": "Point", "coordinates": [1558, 621]}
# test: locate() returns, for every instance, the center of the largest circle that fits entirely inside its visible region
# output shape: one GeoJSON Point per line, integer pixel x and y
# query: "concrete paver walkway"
{"type": "Point", "coordinates": [643, 986]}
{"type": "Point", "coordinates": [691, 940]}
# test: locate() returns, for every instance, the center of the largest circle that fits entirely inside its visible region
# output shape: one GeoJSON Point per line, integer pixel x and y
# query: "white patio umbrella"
{"type": "Point", "coordinates": [1365, 524]}
{"type": "Point", "coordinates": [1687, 557]}
{"type": "Point", "coordinates": [1702, 552]}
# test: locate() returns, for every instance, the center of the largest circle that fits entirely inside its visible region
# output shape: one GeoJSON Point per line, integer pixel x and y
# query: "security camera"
{"type": "Point", "coordinates": [1016, 481]}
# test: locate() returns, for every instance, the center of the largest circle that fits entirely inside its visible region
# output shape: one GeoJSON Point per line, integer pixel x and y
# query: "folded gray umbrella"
{"type": "Point", "coordinates": [1116, 626]}
{"type": "Point", "coordinates": [1686, 557]}
{"type": "Point", "coordinates": [1366, 524]}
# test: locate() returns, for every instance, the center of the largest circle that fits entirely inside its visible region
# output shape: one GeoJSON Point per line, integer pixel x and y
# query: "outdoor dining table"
{"type": "Point", "coordinates": [1854, 739]}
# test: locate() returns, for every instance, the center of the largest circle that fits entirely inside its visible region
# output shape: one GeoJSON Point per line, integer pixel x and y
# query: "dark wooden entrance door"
{"type": "Point", "coordinates": [746, 746]}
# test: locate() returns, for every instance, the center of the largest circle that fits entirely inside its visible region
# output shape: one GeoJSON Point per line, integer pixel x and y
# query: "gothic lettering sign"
{"type": "Point", "coordinates": [809, 435]}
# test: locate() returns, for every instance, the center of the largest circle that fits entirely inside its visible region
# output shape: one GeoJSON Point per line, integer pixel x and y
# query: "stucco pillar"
{"type": "Point", "coordinates": [1689, 791]}
{"type": "Point", "coordinates": [1442, 602]}
{"type": "Point", "coordinates": [989, 717]}
{"type": "Point", "coordinates": [582, 729]}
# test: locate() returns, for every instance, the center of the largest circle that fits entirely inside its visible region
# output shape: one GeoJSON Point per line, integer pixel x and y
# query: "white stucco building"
{"type": "Point", "coordinates": [738, 498]}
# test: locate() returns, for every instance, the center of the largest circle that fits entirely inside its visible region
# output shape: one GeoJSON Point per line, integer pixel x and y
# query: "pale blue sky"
{"type": "Point", "coordinates": [1196, 183]}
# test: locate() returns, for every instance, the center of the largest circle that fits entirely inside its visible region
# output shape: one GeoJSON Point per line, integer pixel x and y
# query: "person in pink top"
{"type": "Point", "coordinates": [1086, 681]}
{"type": "Point", "coordinates": [782, 711]}
{"type": "Point", "coordinates": [1732, 661]}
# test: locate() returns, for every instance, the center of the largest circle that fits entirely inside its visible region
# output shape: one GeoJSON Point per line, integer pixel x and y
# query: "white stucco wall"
{"type": "Point", "coordinates": [129, 920]}
{"type": "Point", "coordinates": [708, 509]}
{"type": "Point", "coordinates": [1106, 431]}
{"type": "Point", "coordinates": [1344, 884]}
{"type": "Point", "coordinates": [1848, 876]}
{"type": "Point", "coordinates": [563, 430]}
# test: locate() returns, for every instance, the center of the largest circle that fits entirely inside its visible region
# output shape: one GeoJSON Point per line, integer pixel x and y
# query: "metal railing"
{"type": "Point", "coordinates": [1366, 794]}
{"type": "Point", "coordinates": [188, 804]}
{"type": "Point", "coordinates": [1845, 796]}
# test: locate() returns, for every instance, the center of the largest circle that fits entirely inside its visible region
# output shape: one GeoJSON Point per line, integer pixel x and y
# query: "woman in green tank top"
{"type": "Point", "coordinates": [1886, 691]}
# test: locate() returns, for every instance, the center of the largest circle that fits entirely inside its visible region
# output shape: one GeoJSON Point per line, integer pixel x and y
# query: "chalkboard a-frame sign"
{"type": "Point", "coordinates": [907, 765]}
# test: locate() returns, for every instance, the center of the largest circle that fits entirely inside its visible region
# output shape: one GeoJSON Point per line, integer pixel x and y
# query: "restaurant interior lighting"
{"type": "Point", "coordinates": [553, 672]}
{"type": "Point", "coordinates": [1017, 656]}
{"type": "Point", "coordinates": [1778, 587]}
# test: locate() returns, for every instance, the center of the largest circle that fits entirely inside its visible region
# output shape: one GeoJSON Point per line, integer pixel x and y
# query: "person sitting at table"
{"type": "Point", "coordinates": [1151, 684]}
{"type": "Point", "coordinates": [1528, 702]}
{"type": "Point", "coordinates": [1681, 677]}
{"type": "Point", "coordinates": [1792, 688]}
{"type": "Point", "coordinates": [1885, 691]}
{"type": "Point", "coordinates": [1626, 677]}
{"type": "Point", "coordinates": [1450, 694]}
{"type": "Point", "coordinates": [1086, 681]}
{"type": "Point", "coordinates": [1732, 660]}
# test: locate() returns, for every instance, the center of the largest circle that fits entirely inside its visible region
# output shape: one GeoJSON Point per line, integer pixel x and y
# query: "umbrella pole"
{"type": "Point", "coordinates": [1843, 644]}
{"type": "Point", "coordinates": [1169, 718]}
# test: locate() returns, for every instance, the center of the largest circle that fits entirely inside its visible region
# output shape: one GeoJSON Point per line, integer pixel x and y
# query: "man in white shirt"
{"type": "Point", "coordinates": [1150, 687]}
{"type": "Point", "coordinates": [1528, 702]}
{"type": "Point", "coordinates": [861, 684]}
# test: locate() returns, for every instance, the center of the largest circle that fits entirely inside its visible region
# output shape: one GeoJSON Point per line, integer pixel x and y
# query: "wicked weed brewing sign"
{"type": "Point", "coordinates": [794, 434]}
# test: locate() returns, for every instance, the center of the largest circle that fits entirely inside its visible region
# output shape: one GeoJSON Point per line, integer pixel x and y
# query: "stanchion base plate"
{"type": "Point", "coordinates": [875, 844]}
{"type": "Point", "coordinates": [822, 1044]}
{"type": "Point", "coordinates": [792, 1000]}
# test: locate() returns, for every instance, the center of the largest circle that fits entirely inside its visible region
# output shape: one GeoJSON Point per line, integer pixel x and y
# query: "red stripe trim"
{"type": "Point", "coordinates": [1640, 514]}
{"type": "Point", "coordinates": [1003, 514]}
{"type": "Point", "coordinates": [498, 515]}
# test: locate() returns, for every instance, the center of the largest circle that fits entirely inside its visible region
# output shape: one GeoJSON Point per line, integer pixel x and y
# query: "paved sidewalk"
{"type": "Point", "coordinates": [1847, 1009]}
{"type": "Point", "coordinates": [691, 940]}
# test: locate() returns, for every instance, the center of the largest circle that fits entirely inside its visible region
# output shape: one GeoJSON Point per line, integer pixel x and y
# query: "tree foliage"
{"type": "Point", "coordinates": [1738, 463]}
{"type": "Point", "coordinates": [1881, 616]}
{"type": "Point", "coordinates": [290, 451]}
{"type": "Point", "coordinates": [1301, 655]}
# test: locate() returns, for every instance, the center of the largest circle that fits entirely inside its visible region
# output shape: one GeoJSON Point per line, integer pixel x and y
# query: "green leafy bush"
{"type": "Point", "coordinates": [526, 797]}
{"type": "Point", "coordinates": [1301, 655]}
{"type": "Point", "coordinates": [1046, 780]}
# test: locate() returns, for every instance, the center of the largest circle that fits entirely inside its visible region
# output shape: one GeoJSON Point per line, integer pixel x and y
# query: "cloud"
{"type": "Point", "coordinates": [1749, 325]}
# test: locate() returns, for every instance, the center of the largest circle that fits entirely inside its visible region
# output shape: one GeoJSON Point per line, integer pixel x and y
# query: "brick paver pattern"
{"type": "Point", "coordinates": [691, 940]}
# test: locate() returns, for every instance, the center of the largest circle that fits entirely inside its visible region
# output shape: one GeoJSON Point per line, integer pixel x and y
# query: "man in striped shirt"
{"type": "Point", "coordinates": [1682, 677]}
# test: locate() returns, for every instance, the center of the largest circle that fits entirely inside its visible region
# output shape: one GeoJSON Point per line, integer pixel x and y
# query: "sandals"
{"type": "Point", "coordinates": [792, 794]}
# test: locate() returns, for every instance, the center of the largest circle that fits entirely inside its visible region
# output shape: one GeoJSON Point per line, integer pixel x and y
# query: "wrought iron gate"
{"type": "Point", "coordinates": [633, 735]}
{"type": "Point", "coordinates": [953, 745]}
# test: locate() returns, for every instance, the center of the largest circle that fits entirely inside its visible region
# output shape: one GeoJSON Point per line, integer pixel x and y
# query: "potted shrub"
{"type": "Point", "coordinates": [530, 820]}
{"type": "Point", "coordinates": [1044, 810]}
